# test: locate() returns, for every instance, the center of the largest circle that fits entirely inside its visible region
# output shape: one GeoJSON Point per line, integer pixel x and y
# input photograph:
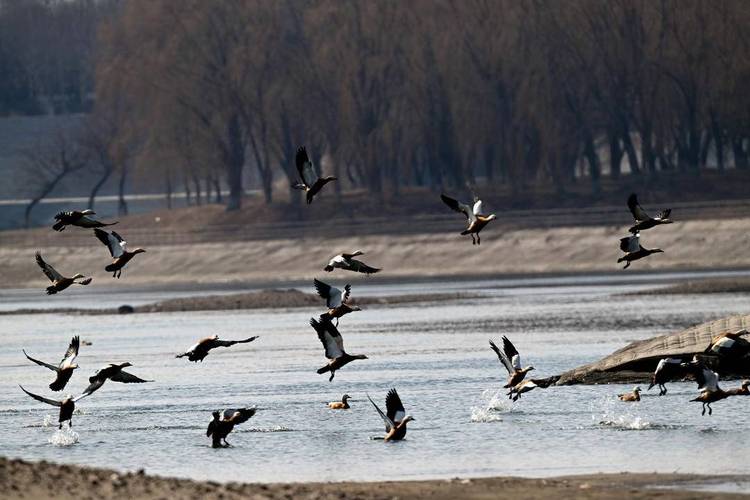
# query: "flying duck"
{"type": "Point", "coordinates": [511, 360]}
{"type": "Point", "coordinates": [340, 405]}
{"type": "Point", "coordinates": [336, 300]}
{"type": "Point", "coordinates": [78, 218]}
{"type": "Point", "coordinates": [115, 373]}
{"type": "Point", "coordinates": [633, 250]}
{"type": "Point", "coordinates": [527, 385]}
{"type": "Point", "coordinates": [59, 282]}
{"type": "Point", "coordinates": [65, 368]}
{"type": "Point", "coordinates": [118, 249]}
{"type": "Point", "coordinates": [67, 405]}
{"type": "Point", "coordinates": [667, 370]}
{"type": "Point", "coordinates": [311, 183]}
{"type": "Point", "coordinates": [334, 347]}
{"type": "Point", "coordinates": [644, 221]}
{"type": "Point", "coordinates": [743, 390]}
{"type": "Point", "coordinates": [223, 423]}
{"type": "Point", "coordinates": [347, 262]}
{"type": "Point", "coordinates": [395, 419]}
{"type": "Point", "coordinates": [729, 345]}
{"type": "Point", "coordinates": [474, 217]}
{"type": "Point", "coordinates": [708, 384]}
{"type": "Point", "coordinates": [200, 350]}
{"type": "Point", "coordinates": [631, 396]}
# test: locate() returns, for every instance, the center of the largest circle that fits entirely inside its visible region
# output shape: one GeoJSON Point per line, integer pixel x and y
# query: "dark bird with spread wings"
{"type": "Point", "coordinates": [115, 373]}
{"type": "Point", "coordinates": [200, 350]}
{"type": "Point", "coordinates": [708, 384]}
{"type": "Point", "coordinates": [59, 282]}
{"type": "Point", "coordinates": [667, 370]}
{"type": "Point", "coordinates": [644, 221]}
{"type": "Point", "coordinates": [64, 369]}
{"type": "Point", "coordinates": [395, 418]}
{"type": "Point", "coordinates": [511, 360]}
{"type": "Point", "coordinates": [67, 405]}
{"type": "Point", "coordinates": [475, 219]}
{"type": "Point", "coordinates": [347, 262]}
{"type": "Point", "coordinates": [631, 245]}
{"type": "Point", "coordinates": [311, 183]}
{"type": "Point", "coordinates": [78, 218]}
{"type": "Point", "coordinates": [118, 249]}
{"type": "Point", "coordinates": [223, 423]}
{"type": "Point", "coordinates": [333, 344]}
{"type": "Point", "coordinates": [337, 300]}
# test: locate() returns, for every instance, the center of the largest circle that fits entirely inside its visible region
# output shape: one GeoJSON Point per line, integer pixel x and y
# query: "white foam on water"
{"type": "Point", "coordinates": [48, 421]}
{"type": "Point", "coordinates": [615, 414]}
{"type": "Point", "coordinates": [495, 403]}
{"type": "Point", "coordinates": [64, 437]}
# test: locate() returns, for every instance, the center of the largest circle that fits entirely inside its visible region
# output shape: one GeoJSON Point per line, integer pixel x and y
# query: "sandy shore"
{"type": "Point", "coordinates": [19, 479]}
{"type": "Point", "coordinates": [704, 244]}
{"type": "Point", "coordinates": [721, 285]}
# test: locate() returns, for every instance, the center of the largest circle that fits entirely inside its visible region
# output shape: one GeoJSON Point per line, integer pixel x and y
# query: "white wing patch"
{"type": "Point", "coordinates": [516, 362]}
{"type": "Point", "coordinates": [478, 207]}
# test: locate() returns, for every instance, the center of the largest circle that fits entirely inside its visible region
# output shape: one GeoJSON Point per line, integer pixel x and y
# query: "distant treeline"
{"type": "Point", "coordinates": [434, 93]}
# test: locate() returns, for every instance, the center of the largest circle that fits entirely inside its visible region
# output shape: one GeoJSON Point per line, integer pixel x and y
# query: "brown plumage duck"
{"type": "Point", "coordinates": [347, 262]}
{"type": "Point", "coordinates": [59, 282]}
{"type": "Point", "coordinates": [475, 219]}
{"type": "Point", "coordinates": [644, 221]}
{"type": "Point", "coordinates": [511, 360]}
{"type": "Point", "coordinates": [742, 390]}
{"type": "Point", "coordinates": [333, 344]}
{"type": "Point", "coordinates": [78, 218]}
{"type": "Point", "coordinates": [337, 301]}
{"type": "Point", "coordinates": [64, 369]}
{"type": "Point", "coordinates": [527, 385]}
{"type": "Point", "coordinates": [395, 417]}
{"type": "Point", "coordinates": [729, 345]}
{"type": "Point", "coordinates": [311, 183]}
{"type": "Point", "coordinates": [633, 250]}
{"type": "Point", "coordinates": [340, 405]}
{"type": "Point", "coordinates": [631, 397]}
{"type": "Point", "coordinates": [118, 249]}
{"type": "Point", "coordinates": [115, 373]}
{"type": "Point", "coordinates": [200, 350]}
{"type": "Point", "coordinates": [223, 423]}
{"type": "Point", "coordinates": [67, 405]}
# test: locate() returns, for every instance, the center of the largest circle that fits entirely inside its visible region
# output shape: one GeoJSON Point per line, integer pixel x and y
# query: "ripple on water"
{"type": "Point", "coordinates": [64, 437]}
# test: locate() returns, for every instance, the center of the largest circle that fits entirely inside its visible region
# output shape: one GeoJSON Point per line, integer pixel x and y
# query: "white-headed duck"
{"type": "Point", "coordinates": [475, 219]}
{"type": "Point", "coordinates": [200, 350]}
{"type": "Point", "coordinates": [64, 369]}
{"type": "Point", "coordinates": [59, 282]}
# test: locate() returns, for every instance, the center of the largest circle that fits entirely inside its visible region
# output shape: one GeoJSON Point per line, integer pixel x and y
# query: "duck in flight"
{"type": "Point", "coordinates": [78, 218]}
{"type": "Point", "coordinates": [115, 373]}
{"type": "Point", "coordinates": [59, 282]}
{"type": "Point", "coordinates": [631, 397]}
{"type": "Point", "coordinates": [118, 249]}
{"type": "Point", "coordinates": [223, 423]}
{"type": "Point", "coordinates": [337, 300]}
{"type": "Point", "coordinates": [631, 245]}
{"type": "Point", "coordinates": [475, 219]}
{"type": "Point", "coordinates": [708, 384]}
{"type": "Point", "coordinates": [67, 405]}
{"type": "Point", "coordinates": [340, 405]}
{"type": "Point", "coordinates": [395, 417]}
{"type": "Point", "coordinates": [511, 360]}
{"type": "Point", "coordinates": [347, 262]}
{"type": "Point", "coordinates": [729, 345]}
{"type": "Point", "coordinates": [644, 221]}
{"type": "Point", "coordinates": [200, 350]}
{"type": "Point", "coordinates": [311, 183]}
{"type": "Point", "coordinates": [64, 369]}
{"type": "Point", "coordinates": [527, 385]}
{"type": "Point", "coordinates": [667, 370]}
{"type": "Point", "coordinates": [333, 344]}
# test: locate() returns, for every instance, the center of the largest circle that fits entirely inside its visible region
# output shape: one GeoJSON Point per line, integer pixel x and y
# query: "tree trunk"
{"type": "Point", "coordinates": [197, 186]}
{"type": "Point", "coordinates": [632, 155]}
{"type": "Point", "coordinates": [615, 155]}
{"type": "Point", "coordinates": [122, 205]}
{"type": "Point", "coordinates": [234, 161]}
{"type": "Point", "coordinates": [595, 170]}
{"type": "Point", "coordinates": [98, 186]}
{"type": "Point", "coordinates": [169, 190]}
{"type": "Point", "coordinates": [740, 155]}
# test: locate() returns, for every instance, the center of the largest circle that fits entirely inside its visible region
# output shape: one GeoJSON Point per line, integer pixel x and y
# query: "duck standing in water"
{"type": "Point", "coordinates": [78, 218]}
{"type": "Point", "coordinates": [340, 405]}
{"type": "Point", "coordinates": [118, 249]}
{"type": "Point", "coordinates": [347, 262]}
{"type": "Point", "coordinates": [395, 417]}
{"type": "Point", "coordinates": [311, 183]}
{"type": "Point", "coordinates": [631, 397]}
{"type": "Point", "coordinates": [667, 370]}
{"type": "Point", "coordinates": [644, 221]}
{"type": "Point", "coordinates": [333, 344]}
{"type": "Point", "coordinates": [336, 300]}
{"type": "Point", "coordinates": [631, 245]}
{"type": "Point", "coordinates": [115, 373]}
{"type": "Point", "coordinates": [67, 405]}
{"type": "Point", "coordinates": [64, 369]}
{"type": "Point", "coordinates": [511, 360]}
{"type": "Point", "coordinates": [223, 423]}
{"type": "Point", "coordinates": [476, 220]}
{"type": "Point", "coordinates": [59, 282]}
{"type": "Point", "coordinates": [200, 350]}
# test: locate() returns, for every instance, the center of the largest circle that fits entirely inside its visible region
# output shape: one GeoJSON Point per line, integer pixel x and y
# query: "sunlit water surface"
{"type": "Point", "coordinates": [436, 354]}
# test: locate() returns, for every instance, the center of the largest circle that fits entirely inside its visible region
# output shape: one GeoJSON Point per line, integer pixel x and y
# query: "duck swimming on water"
{"type": "Point", "coordinates": [633, 250]}
{"type": "Point", "coordinates": [347, 262]}
{"type": "Point", "coordinates": [395, 417]}
{"type": "Point", "coordinates": [511, 360]}
{"type": "Point", "coordinates": [67, 405]}
{"type": "Point", "coordinates": [115, 373]}
{"type": "Point", "coordinates": [474, 217]}
{"type": "Point", "coordinates": [311, 183]}
{"type": "Point", "coordinates": [59, 282]}
{"type": "Point", "coordinates": [644, 221]}
{"type": "Point", "coordinates": [630, 397]}
{"type": "Point", "coordinates": [64, 369]}
{"type": "Point", "coordinates": [340, 405]}
{"type": "Point", "coordinates": [118, 249]}
{"type": "Point", "coordinates": [78, 218]}
{"type": "Point", "coordinates": [336, 300]}
{"type": "Point", "coordinates": [333, 344]}
{"type": "Point", "coordinates": [223, 423]}
{"type": "Point", "coordinates": [200, 350]}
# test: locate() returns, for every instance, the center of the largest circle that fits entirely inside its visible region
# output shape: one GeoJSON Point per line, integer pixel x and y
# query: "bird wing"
{"type": "Point", "coordinates": [388, 422]}
{"type": "Point", "coordinates": [239, 415]}
{"type": "Point", "coordinates": [127, 378]}
{"type": "Point", "coordinates": [393, 407]}
{"type": "Point", "coordinates": [305, 167]}
{"type": "Point", "coordinates": [511, 353]}
{"type": "Point", "coordinates": [329, 337]}
{"type": "Point", "coordinates": [94, 386]}
{"type": "Point", "coordinates": [332, 294]}
{"type": "Point", "coordinates": [112, 240]}
{"type": "Point", "coordinates": [638, 213]}
{"type": "Point", "coordinates": [502, 357]}
{"type": "Point", "coordinates": [630, 244]}
{"type": "Point", "coordinates": [361, 267]}
{"type": "Point", "coordinates": [72, 352]}
{"type": "Point", "coordinates": [459, 207]}
{"type": "Point", "coordinates": [477, 207]}
{"type": "Point", "coordinates": [41, 363]}
{"type": "Point", "coordinates": [347, 293]}
{"type": "Point", "coordinates": [228, 343]}
{"type": "Point", "coordinates": [48, 270]}
{"type": "Point", "coordinates": [40, 398]}
{"type": "Point", "coordinates": [211, 427]}
{"type": "Point", "coordinates": [664, 214]}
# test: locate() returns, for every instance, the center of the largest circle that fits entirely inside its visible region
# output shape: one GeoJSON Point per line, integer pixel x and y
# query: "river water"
{"type": "Point", "coordinates": [435, 354]}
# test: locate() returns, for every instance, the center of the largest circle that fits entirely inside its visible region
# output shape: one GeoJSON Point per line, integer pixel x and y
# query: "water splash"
{"type": "Point", "coordinates": [48, 421]}
{"type": "Point", "coordinates": [277, 428]}
{"type": "Point", "coordinates": [627, 422]}
{"type": "Point", "coordinates": [64, 437]}
{"type": "Point", "coordinates": [495, 402]}
{"type": "Point", "coordinates": [608, 412]}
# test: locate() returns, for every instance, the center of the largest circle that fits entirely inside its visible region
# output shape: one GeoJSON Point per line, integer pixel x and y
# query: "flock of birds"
{"type": "Point", "coordinates": [338, 303]}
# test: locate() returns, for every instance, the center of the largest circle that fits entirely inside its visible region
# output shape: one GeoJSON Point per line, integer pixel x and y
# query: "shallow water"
{"type": "Point", "coordinates": [436, 354]}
